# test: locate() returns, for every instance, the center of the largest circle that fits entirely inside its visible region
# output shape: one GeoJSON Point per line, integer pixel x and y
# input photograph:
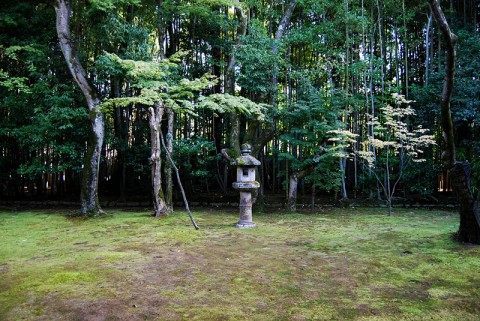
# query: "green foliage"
{"type": "Point", "coordinates": [13, 83]}
{"type": "Point", "coordinates": [110, 5]}
{"type": "Point", "coordinates": [464, 106]}
{"type": "Point", "coordinates": [336, 61]}
{"type": "Point", "coordinates": [156, 82]}
{"type": "Point", "coordinates": [421, 178]}
{"type": "Point", "coordinates": [106, 67]}
{"type": "Point", "coordinates": [58, 126]}
{"type": "Point", "coordinates": [119, 26]}
{"type": "Point", "coordinates": [137, 157]}
{"type": "Point", "coordinates": [326, 175]}
{"type": "Point", "coordinates": [41, 130]}
{"type": "Point", "coordinates": [198, 8]}
{"type": "Point", "coordinates": [310, 124]}
{"type": "Point", "coordinates": [223, 103]}
{"type": "Point", "coordinates": [22, 57]}
{"type": "Point", "coordinates": [256, 60]}
{"type": "Point", "coordinates": [195, 156]}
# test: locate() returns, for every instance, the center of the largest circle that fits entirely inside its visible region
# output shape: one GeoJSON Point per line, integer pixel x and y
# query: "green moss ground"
{"type": "Point", "coordinates": [345, 264]}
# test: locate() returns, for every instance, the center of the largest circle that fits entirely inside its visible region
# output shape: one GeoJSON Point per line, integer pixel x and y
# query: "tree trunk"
{"type": "Point", "coordinates": [161, 30]}
{"type": "Point", "coordinates": [427, 49]}
{"type": "Point", "coordinates": [405, 50]}
{"type": "Point", "coordinates": [90, 204]}
{"type": "Point", "coordinates": [469, 229]}
{"type": "Point", "coordinates": [234, 137]}
{"type": "Point", "coordinates": [121, 123]}
{"type": "Point", "coordinates": [459, 172]}
{"type": "Point", "coordinates": [255, 135]}
{"type": "Point", "coordinates": [343, 166]}
{"type": "Point", "coordinates": [155, 118]}
{"type": "Point", "coordinates": [292, 192]}
{"type": "Point", "coordinates": [293, 185]}
{"type": "Point", "coordinates": [168, 166]}
{"type": "Point", "coordinates": [278, 37]}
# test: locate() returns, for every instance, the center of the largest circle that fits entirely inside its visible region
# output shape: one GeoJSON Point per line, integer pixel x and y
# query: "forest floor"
{"type": "Point", "coordinates": [336, 264]}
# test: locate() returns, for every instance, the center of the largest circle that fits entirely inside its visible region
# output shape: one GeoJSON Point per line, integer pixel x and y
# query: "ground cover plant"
{"type": "Point", "coordinates": [341, 264]}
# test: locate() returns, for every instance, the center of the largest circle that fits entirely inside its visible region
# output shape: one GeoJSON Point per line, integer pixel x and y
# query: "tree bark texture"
{"type": "Point", "coordinates": [459, 172]}
{"type": "Point", "coordinates": [90, 204]}
{"type": "Point", "coordinates": [155, 118]}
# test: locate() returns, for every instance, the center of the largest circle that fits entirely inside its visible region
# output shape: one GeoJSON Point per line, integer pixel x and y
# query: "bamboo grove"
{"type": "Point", "coordinates": [307, 83]}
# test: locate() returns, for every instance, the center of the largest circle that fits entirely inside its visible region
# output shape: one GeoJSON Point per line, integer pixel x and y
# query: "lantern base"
{"type": "Point", "coordinates": [245, 225]}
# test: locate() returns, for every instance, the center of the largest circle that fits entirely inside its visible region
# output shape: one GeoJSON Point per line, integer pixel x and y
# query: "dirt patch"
{"type": "Point", "coordinates": [3, 268]}
{"type": "Point", "coordinates": [177, 283]}
{"type": "Point", "coordinates": [408, 292]}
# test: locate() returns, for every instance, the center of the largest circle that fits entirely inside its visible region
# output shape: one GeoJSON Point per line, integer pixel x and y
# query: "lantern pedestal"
{"type": "Point", "coordinates": [246, 208]}
{"type": "Point", "coordinates": [246, 184]}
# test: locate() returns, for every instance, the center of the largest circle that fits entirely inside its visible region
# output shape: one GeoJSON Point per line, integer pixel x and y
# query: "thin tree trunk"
{"type": "Point", "coordinates": [459, 172]}
{"type": "Point", "coordinates": [161, 30]}
{"type": "Point", "coordinates": [168, 166]}
{"type": "Point", "coordinates": [427, 49]}
{"type": "Point", "coordinates": [90, 204]}
{"type": "Point", "coordinates": [312, 200]}
{"type": "Point", "coordinates": [343, 165]}
{"type": "Point", "coordinates": [370, 127]}
{"type": "Point", "coordinates": [382, 56]}
{"type": "Point", "coordinates": [387, 188]}
{"type": "Point", "coordinates": [405, 49]}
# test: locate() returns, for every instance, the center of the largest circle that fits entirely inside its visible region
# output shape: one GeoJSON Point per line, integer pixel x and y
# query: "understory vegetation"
{"type": "Point", "coordinates": [338, 264]}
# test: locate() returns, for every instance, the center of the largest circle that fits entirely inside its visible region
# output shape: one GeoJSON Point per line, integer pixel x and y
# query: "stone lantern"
{"type": "Point", "coordinates": [246, 184]}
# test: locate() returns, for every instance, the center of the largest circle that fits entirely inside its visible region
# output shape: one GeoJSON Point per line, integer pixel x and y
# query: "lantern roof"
{"type": "Point", "coordinates": [246, 160]}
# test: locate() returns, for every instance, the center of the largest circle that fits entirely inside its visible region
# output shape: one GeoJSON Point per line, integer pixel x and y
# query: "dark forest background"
{"type": "Point", "coordinates": [292, 78]}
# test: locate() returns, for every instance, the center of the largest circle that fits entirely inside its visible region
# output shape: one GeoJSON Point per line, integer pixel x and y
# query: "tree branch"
{"type": "Point", "coordinates": [169, 158]}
